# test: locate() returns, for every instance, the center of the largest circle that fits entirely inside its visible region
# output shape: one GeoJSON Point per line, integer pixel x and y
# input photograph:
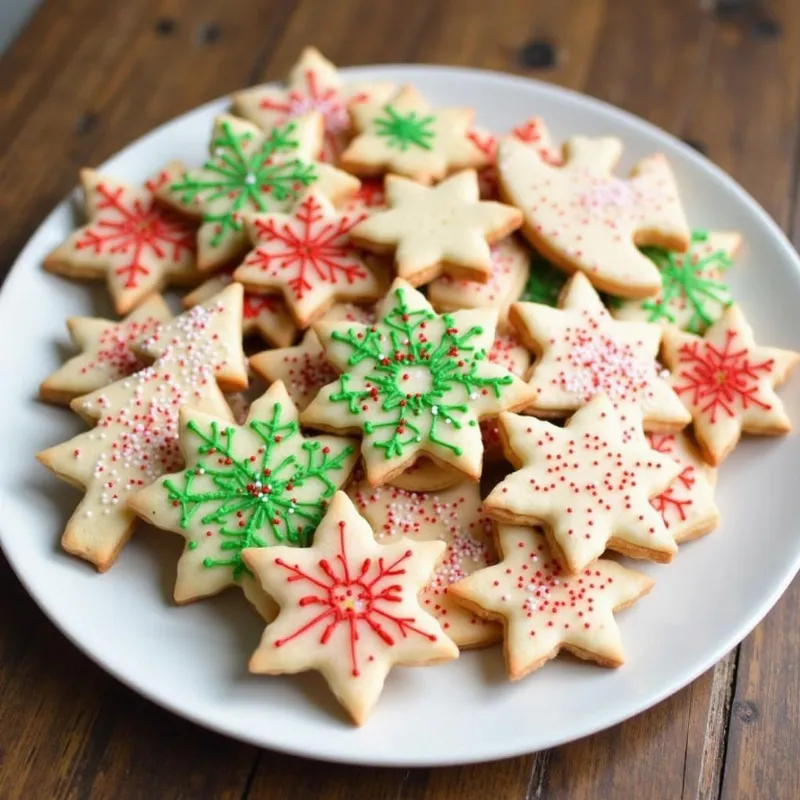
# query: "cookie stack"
{"type": "Point", "coordinates": [437, 300]}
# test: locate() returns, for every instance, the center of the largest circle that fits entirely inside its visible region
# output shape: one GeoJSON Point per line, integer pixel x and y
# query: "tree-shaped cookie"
{"type": "Point", "coordinates": [133, 243]}
{"type": "Point", "coordinates": [348, 608]}
{"type": "Point", "coordinates": [404, 136]}
{"type": "Point", "coordinates": [583, 218]}
{"type": "Point", "coordinates": [106, 353]}
{"type": "Point", "coordinates": [255, 485]}
{"type": "Point", "coordinates": [250, 171]}
{"type": "Point", "coordinates": [510, 267]}
{"type": "Point", "coordinates": [314, 84]}
{"type": "Point", "coordinates": [687, 505]}
{"type": "Point", "coordinates": [587, 487]}
{"type": "Point", "coordinates": [441, 229]}
{"type": "Point", "coordinates": [582, 351]}
{"type": "Point", "coordinates": [543, 609]}
{"type": "Point", "coordinates": [727, 383]}
{"type": "Point", "coordinates": [532, 132]}
{"type": "Point", "coordinates": [135, 438]}
{"type": "Point", "coordinates": [414, 383]}
{"type": "Point", "coordinates": [693, 295]}
{"type": "Point", "coordinates": [308, 257]}
{"type": "Point", "coordinates": [265, 315]}
{"type": "Point", "coordinates": [453, 516]}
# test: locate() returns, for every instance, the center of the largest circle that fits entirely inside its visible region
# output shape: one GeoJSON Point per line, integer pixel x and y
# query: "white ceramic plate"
{"type": "Point", "coordinates": [192, 659]}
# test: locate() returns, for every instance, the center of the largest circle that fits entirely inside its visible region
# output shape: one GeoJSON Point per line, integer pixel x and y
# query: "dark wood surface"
{"type": "Point", "coordinates": [85, 77]}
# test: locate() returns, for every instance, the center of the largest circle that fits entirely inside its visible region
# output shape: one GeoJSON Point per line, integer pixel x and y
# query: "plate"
{"type": "Point", "coordinates": [192, 660]}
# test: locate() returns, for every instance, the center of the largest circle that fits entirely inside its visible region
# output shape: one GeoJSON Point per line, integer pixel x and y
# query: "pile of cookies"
{"type": "Point", "coordinates": [438, 302]}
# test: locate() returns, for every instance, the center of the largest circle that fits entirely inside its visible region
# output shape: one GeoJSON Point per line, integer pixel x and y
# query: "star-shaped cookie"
{"type": "Point", "coordinates": [588, 488]}
{"type": "Point", "coordinates": [582, 351]}
{"type": "Point", "coordinates": [532, 133]}
{"type": "Point", "coordinates": [693, 295]}
{"type": "Point", "coordinates": [544, 610]}
{"type": "Point", "coordinates": [583, 218]}
{"type": "Point", "coordinates": [264, 315]}
{"type": "Point", "coordinates": [414, 383]}
{"type": "Point", "coordinates": [687, 505]}
{"type": "Point", "coordinates": [440, 229]}
{"type": "Point", "coordinates": [727, 383]}
{"type": "Point", "coordinates": [404, 136]}
{"type": "Point", "coordinates": [250, 171]}
{"type": "Point", "coordinates": [133, 243]}
{"type": "Point", "coordinates": [106, 354]}
{"type": "Point", "coordinates": [453, 516]}
{"type": "Point", "coordinates": [314, 84]}
{"type": "Point", "coordinates": [135, 438]}
{"type": "Point", "coordinates": [308, 257]}
{"type": "Point", "coordinates": [256, 485]}
{"type": "Point", "coordinates": [348, 608]}
{"type": "Point", "coordinates": [510, 267]}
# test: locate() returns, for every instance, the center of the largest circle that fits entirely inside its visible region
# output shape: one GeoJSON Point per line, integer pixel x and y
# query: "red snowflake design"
{"type": "Point", "coordinates": [668, 503]}
{"type": "Point", "coordinates": [355, 597]}
{"type": "Point", "coordinates": [329, 101]}
{"type": "Point", "coordinates": [255, 305]}
{"type": "Point", "coordinates": [719, 380]}
{"type": "Point", "coordinates": [137, 229]}
{"type": "Point", "coordinates": [316, 250]}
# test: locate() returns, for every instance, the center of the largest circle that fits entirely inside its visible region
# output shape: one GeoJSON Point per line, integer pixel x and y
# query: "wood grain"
{"type": "Point", "coordinates": [86, 77]}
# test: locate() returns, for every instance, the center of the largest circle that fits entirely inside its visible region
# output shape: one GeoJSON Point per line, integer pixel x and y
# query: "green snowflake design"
{"type": "Point", "coordinates": [405, 131]}
{"type": "Point", "coordinates": [251, 500]}
{"type": "Point", "coordinates": [406, 342]}
{"type": "Point", "coordinates": [688, 281]}
{"type": "Point", "coordinates": [234, 179]}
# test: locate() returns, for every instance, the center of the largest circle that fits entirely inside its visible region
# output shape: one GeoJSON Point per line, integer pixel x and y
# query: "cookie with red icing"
{"type": "Point", "coordinates": [403, 135]}
{"type": "Point", "coordinates": [585, 485]}
{"type": "Point", "coordinates": [583, 218]}
{"type": "Point", "coordinates": [308, 257]}
{"type": "Point", "coordinates": [545, 610]}
{"type": "Point", "coordinates": [453, 516]}
{"type": "Point", "coordinates": [687, 505]}
{"type": "Point", "coordinates": [258, 484]}
{"type": "Point", "coordinates": [727, 383]}
{"type": "Point", "coordinates": [314, 84]}
{"type": "Point", "coordinates": [106, 351]}
{"type": "Point", "coordinates": [349, 608]}
{"type": "Point", "coordinates": [136, 245]}
{"type": "Point", "coordinates": [134, 440]}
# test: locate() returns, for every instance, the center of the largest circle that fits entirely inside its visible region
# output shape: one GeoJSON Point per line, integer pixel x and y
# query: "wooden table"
{"type": "Point", "coordinates": [88, 76]}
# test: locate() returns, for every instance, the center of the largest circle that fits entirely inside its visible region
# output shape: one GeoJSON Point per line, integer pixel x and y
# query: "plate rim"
{"type": "Point", "coordinates": [489, 752]}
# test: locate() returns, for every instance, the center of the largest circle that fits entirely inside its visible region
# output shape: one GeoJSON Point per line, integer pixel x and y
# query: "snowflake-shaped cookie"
{"type": "Point", "coordinates": [250, 171]}
{"type": "Point", "coordinates": [255, 485]}
{"type": "Point", "coordinates": [314, 84]}
{"type": "Point", "coordinates": [307, 256]}
{"type": "Point", "coordinates": [414, 383]}
{"type": "Point", "coordinates": [532, 133]}
{"type": "Point", "coordinates": [106, 353]}
{"type": "Point", "coordinates": [545, 610]}
{"type": "Point", "coordinates": [404, 136]}
{"type": "Point", "coordinates": [693, 295]}
{"type": "Point", "coordinates": [453, 516]}
{"type": "Point", "coordinates": [727, 383]}
{"type": "Point", "coordinates": [135, 439]}
{"type": "Point", "coordinates": [687, 505]}
{"type": "Point", "coordinates": [582, 351]}
{"type": "Point", "coordinates": [510, 266]}
{"type": "Point", "coordinates": [136, 245]}
{"type": "Point", "coordinates": [348, 608]}
{"type": "Point", "coordinates": [263, 314]}
{"type": "Point", "coordinates": [441, 229]}
{"type": "Point", "coordinates": [583, 218]}
{"type": "Point", "coordinates": [585, 485]}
